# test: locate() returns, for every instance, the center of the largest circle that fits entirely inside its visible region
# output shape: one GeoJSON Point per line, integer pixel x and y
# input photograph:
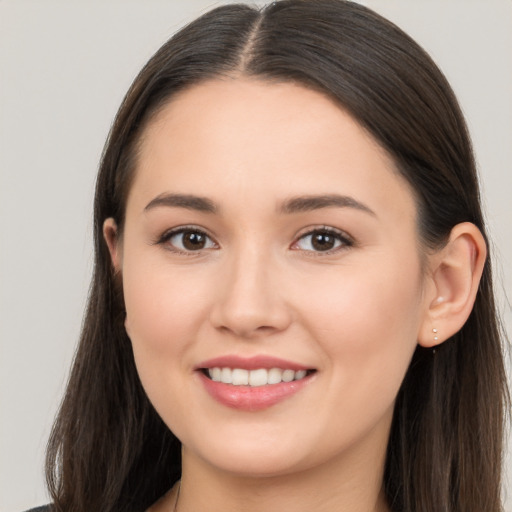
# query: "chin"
{"type": "Point", "coordinates": [276, 462]}
{"type": "Point", "coordinates": [260, 466]}
{"type": "Point", "coordinates": [256, 455]}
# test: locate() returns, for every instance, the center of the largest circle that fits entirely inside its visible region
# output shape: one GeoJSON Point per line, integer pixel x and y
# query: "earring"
{"type": "Point", "coordinates": [435, 334]}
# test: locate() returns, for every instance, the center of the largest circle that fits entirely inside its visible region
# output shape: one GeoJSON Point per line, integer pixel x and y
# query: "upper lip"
{"type": "Point", "coordinates": [251, 363]}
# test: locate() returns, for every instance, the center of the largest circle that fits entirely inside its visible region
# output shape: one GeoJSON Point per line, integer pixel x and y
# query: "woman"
{"type": "Point", "coordinates": [292, 303]}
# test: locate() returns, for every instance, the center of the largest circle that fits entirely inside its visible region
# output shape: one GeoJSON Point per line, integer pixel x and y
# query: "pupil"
{"type": "Point", "coordinates": [323, 242]}
{"type": "Point", "coordinates": [193, 241]}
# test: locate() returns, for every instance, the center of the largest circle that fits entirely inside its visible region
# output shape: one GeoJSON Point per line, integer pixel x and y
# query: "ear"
{"type": "Point", "coordinates": [455, 273]}
{"type": "Point", "coordinates": [110, 233]}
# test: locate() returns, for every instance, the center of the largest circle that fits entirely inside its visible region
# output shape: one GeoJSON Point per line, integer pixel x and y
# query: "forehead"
{"type": "Point", "coordinates": [242, 137]}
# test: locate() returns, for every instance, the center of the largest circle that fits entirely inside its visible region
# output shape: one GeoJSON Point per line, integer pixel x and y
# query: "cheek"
{"type": "Point", "coordinates": [163, 311]}
{"type": "Point", "coordinates": [164, 314]}
{"type": "Point", "coordinates": [366, 322]}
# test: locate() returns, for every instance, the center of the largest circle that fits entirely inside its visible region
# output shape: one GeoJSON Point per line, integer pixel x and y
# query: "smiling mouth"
{"type": "Point", "coordinates": [254, 378]}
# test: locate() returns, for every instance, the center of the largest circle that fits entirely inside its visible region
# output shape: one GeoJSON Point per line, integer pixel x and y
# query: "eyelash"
{"type": "Point", "coordinates": [166, 237]}
{"type": "Point", "coordinates": [344, 240]}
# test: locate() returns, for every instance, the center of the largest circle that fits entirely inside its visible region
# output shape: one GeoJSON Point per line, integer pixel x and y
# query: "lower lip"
{"type": "Point", "coordinates": [248, 398]}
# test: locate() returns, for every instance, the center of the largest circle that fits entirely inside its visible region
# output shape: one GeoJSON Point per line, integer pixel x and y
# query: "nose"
{"type": "Point", "coordinates": [250, 298]}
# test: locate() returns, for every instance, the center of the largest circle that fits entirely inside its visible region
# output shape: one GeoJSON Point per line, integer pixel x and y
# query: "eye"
{"type": "Point", "coordinates": [322, 240]}
{"type": "Point", "coordinates": [186, 240]}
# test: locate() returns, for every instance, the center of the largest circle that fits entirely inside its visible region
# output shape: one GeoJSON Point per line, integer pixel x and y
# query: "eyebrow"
{"type": "Point", "coordinates": [309, 203]}
{"type": "Point", "coordinates": [188, 201]}
{"type": "Point", "coordinates": [293, 205]}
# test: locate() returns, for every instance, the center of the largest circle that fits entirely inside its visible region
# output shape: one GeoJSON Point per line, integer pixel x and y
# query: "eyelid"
{"type": "Point", "coordinates": [345, 239]}
{"type": "Point", "coordinates": [168, 234]}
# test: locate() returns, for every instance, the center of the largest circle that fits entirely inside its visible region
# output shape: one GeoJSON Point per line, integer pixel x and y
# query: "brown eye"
{"type": "Point", "coordinates": [322, 240]}
{"type": "Point", "coordinates": [193, 241]}
{"type": "Point", "coordinates": [189, 240]}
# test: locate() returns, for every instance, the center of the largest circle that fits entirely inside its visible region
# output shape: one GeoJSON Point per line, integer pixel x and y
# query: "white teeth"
{"type": "Point", "coordinates": [275, 376]}
{"type": "Point", "coordinates": [258, 377]}
{"type": "Point", "coordinates": [240, 377]}
{"type": "Point", "coordinates": [225, 376]}
{"type": "Point", "coordinates": [215, 374]}
{"type": "Point", "coordinates": [288, 375]}
{"type": "Point", "coordinates": [254, 378]}
{"type": "Point", "coordinates": [300, 374]}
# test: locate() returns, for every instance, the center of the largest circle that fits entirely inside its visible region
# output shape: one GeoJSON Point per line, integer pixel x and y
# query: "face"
{"type": "Point", "coordinates": [272, 278]}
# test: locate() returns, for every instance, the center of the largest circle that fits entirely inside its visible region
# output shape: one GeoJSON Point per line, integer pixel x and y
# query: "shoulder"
{"type": "Point", "coordinates": [45, 508]}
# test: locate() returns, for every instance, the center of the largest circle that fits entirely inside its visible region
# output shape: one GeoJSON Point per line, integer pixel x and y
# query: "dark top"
{"type": "Point", "coordinates": [45, 508]}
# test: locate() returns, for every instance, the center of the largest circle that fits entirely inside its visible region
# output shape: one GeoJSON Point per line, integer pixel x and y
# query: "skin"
{"type": "Point", "coordinates": [354, 314]}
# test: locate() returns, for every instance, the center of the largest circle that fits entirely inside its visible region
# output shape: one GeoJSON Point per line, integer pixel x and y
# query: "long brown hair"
{"type": "Point", "coordinates": [109, 450]}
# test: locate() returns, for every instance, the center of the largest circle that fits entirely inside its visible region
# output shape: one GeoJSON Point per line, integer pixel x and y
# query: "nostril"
{"type": "Point", "coordinates": [244, 332]}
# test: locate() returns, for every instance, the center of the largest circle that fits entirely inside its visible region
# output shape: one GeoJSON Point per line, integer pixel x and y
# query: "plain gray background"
{"type": "Point", "coordinates": [64, 68]}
